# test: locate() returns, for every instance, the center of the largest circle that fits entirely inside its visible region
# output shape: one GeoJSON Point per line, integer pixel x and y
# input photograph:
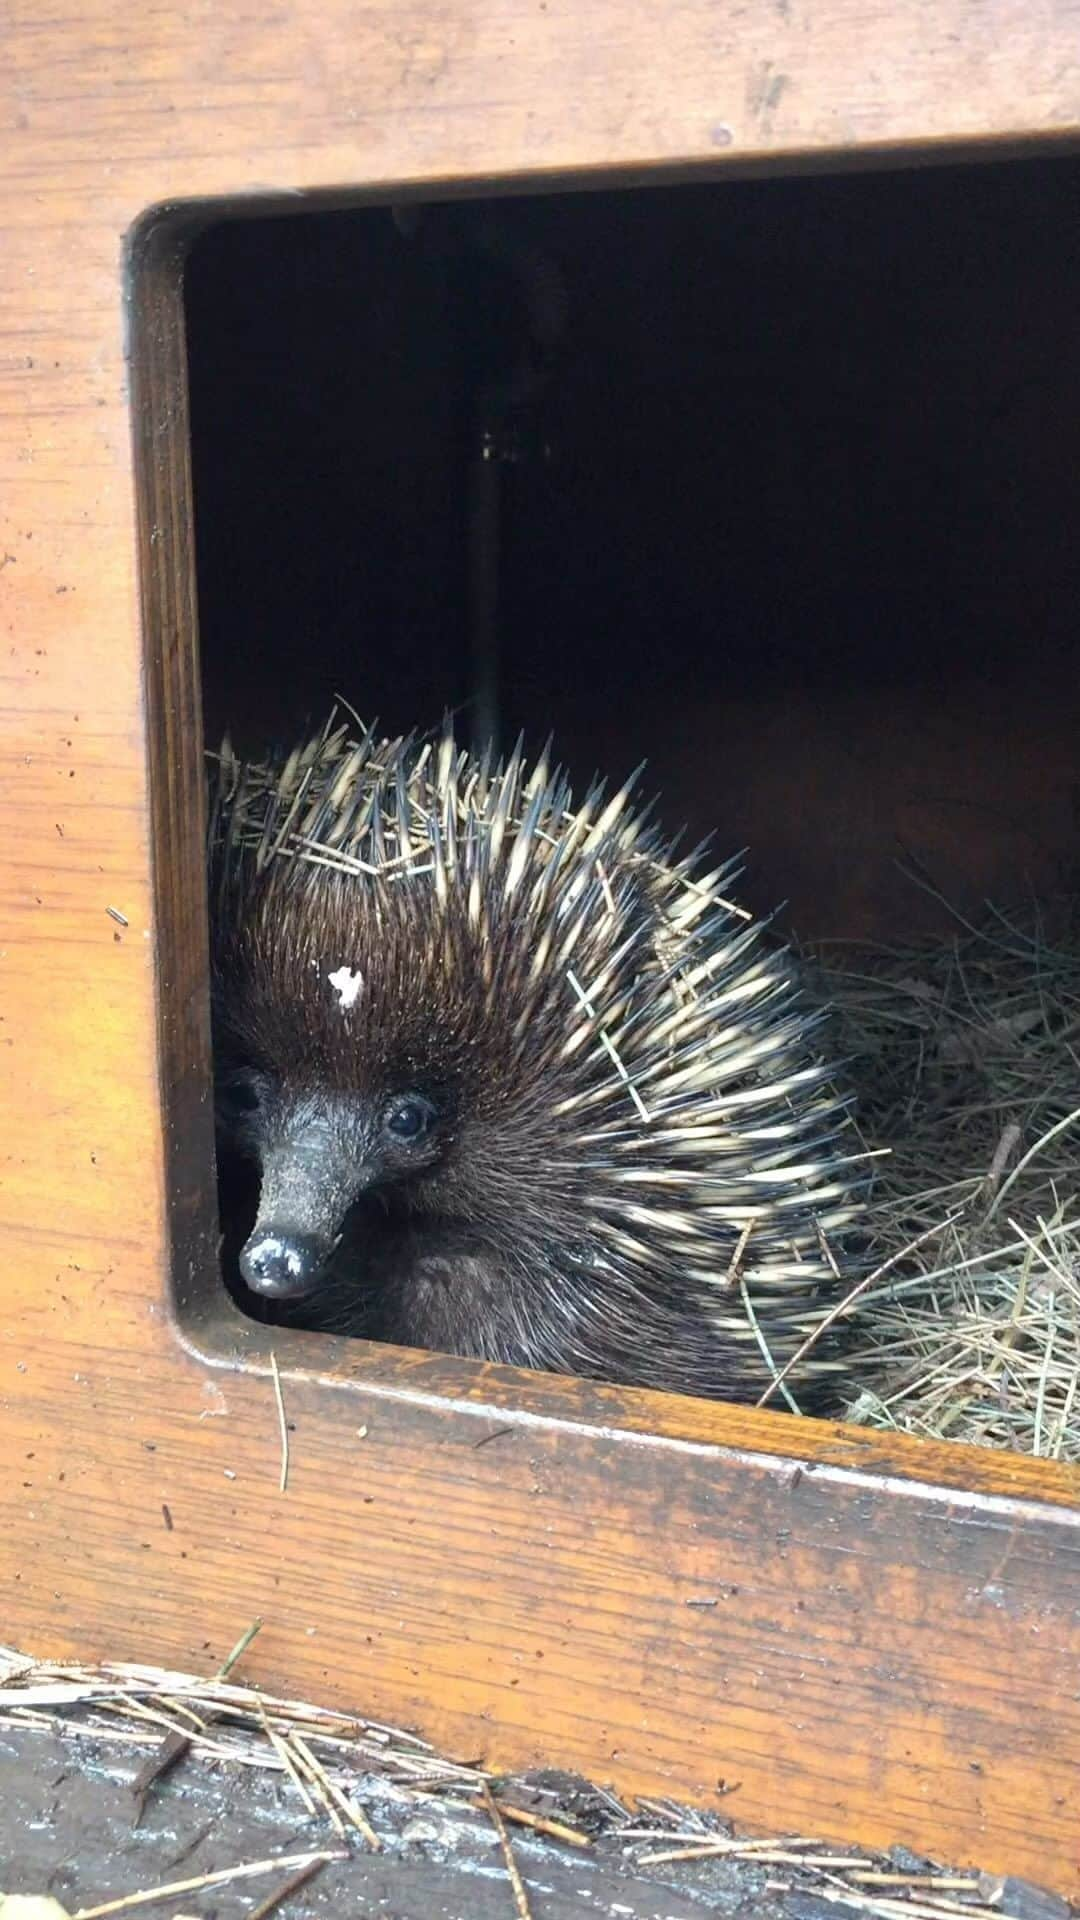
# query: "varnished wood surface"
{"type": "Point", "coordinates": [888, 1636]}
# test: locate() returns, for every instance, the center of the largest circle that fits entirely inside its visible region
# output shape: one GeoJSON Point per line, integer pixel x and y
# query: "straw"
{"type": "Point", "coordinates": [966, 1059]}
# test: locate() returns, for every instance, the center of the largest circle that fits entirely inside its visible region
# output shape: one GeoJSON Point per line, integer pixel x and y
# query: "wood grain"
{"type": "Point", "coordinates": [879, 1640]}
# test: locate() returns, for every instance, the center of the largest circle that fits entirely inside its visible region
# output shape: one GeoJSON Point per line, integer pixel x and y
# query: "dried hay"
{"type": "Point", "coordinates": [965, 1058]}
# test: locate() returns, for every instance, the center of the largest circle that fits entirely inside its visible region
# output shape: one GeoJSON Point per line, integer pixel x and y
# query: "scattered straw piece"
{"type": "Point", "coordinates": [830, 1258]}
{"type": "Point", "coordinates": [735, 1263]}
{"type": "Point", "coordinates": [288, 1887]}
{"type": "Point", "coordinates": [282, 1422]}
{"type": "Point", "coordinates": [773, 1856]}
{"type": "Point", "coordinates": [281, 1748]}
{"type": "Point", "coordinates": [317, 1776]}
{"type": "Point", "coordinates": [608, 1044]}
{"type": "Point", "coordinates": [334, 1796]}
{"type": "Point", "coordinates": [707, 1844]}
{"type": "Point", "coordinates": [539, 1823]}
{"type": "Point", "coordinates": [247, 1871]}
{"type": "Point", "coordinates": [172, 1749]}
{"type": "Point", "coordinates": [1011, 1137]}
{"type": "Point", "coordinates": [779, 1374]}
{"type": "Point", "coordinates": [521, 1898]}
{"type": "Point", "coordinates": [234, 1658]}
{"type": "Point", "coordinates": [1041, 1143]}
{"type": "Point", "coordinates": [605, 884]}
{"type": "Point", "coordinates": [941, 1882]}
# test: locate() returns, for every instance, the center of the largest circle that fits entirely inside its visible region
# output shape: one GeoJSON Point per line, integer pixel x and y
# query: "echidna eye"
{"type": "Point", "coordinates": [409, 1119]}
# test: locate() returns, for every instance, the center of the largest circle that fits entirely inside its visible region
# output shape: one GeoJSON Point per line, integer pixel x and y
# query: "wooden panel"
{"type": "Point", "coordinates": [892, 1652]}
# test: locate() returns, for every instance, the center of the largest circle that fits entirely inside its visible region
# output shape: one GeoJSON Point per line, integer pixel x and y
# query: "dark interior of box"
{"type": "Point", "coordinates": [792, 514]}
{"type": "Point", "coordinates": [770, 484]}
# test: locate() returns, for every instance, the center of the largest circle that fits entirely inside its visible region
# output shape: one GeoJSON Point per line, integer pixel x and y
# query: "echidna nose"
{"type": "Point", "coordinates": [282, 1265]}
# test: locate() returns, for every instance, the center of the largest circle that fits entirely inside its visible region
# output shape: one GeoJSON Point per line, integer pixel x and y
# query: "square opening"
{"type": "Point", "coordinates": [771, 484]}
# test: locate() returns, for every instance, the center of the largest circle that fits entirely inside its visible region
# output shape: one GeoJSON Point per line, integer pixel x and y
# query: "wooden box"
{"type": "Point", "coordinates": [878, 1639]}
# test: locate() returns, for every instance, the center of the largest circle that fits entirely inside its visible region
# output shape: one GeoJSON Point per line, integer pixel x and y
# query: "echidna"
{"type": "Point", "coordinates": [521, 1082]}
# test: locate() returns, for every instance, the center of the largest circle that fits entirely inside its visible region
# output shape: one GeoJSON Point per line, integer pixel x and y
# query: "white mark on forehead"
{"type": "Point", "coordinates": [347, 985]}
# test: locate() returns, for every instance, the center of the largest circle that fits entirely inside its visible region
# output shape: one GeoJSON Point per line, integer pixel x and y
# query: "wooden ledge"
{"type": "Point", "coordinates": [878, 1640]}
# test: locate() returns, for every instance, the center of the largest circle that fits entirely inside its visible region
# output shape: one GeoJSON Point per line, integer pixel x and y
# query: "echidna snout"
{"type": "Point", "coordinates": [317, 1156]}
{"type": "Point", "coordinates": [283, 1264]}
{"type": "Point", "coordinates": [302, 1153]}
